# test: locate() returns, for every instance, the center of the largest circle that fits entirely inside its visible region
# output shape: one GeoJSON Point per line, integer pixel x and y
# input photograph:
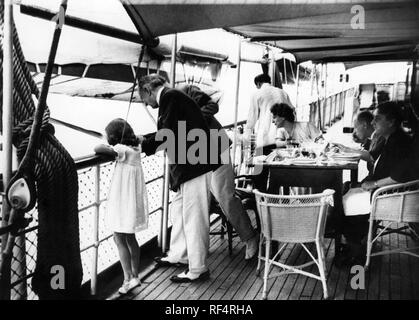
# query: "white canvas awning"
{"type": "Point", "coordinates": [314, 30]}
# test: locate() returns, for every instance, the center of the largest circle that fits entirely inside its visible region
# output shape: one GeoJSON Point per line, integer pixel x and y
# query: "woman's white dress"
{"type": "Point", "coordinates": [127, 205]}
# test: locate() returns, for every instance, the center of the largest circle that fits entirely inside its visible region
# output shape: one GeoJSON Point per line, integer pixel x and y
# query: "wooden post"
{"type": "Point", "coordinates": [297, 82]}
{"type": "Point", "coordinates": [7, 130]}
{"type": "Point", "coordinates": [236, 101]}
{"type": "Point", "coordinates": [165, 215]}
{"type": "Point", "coordinates": [319, 108]}
{"type": "Point", "coordinates": [413, 83]}
{"type": "Point", "coordinates": [324, 71]}
{"type": "Point", "coordinates": [93, 280]}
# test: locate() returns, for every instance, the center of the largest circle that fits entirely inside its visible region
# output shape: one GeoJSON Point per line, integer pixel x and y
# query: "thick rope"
{"type": "Point", "coordinates": [57, 187]}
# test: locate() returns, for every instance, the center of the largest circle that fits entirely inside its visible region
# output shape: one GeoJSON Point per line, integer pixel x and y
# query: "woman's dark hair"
{"type": "Point", "coordinates": [392, 111]}
{"type": "Point", "coordinates": [119, 131]}
{"type": "Point", "coordinates": [262, 78]}
{"type": "Point", "coordinates": [283, 110]}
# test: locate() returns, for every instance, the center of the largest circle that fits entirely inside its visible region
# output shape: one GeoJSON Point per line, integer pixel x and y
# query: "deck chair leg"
{"type": "Point", "coordinates": [265, 274]}
{"type": "Point", "coordinates": [369, 243]}
{"type": "Point", "coordinates": [229, 237]}
{"type": "Point", "coordinates": [259, 253]}
{"type": "Point", "coordinates": [322, 267]}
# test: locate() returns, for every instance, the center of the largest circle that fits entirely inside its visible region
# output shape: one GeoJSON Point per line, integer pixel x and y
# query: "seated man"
{"type": "Point", "coordinates": [394, 165]}
{"type": "Point", "coordinates": [371, 143]}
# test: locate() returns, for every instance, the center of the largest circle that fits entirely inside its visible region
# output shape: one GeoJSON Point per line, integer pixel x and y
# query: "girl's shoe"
{"type": "Point", "coordinates": [134, 282]}
{"type": "Point", "coordinates": [125, 287]}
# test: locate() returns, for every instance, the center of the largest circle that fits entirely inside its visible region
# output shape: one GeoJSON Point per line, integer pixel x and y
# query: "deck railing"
{"type": "Point", "coordinates": [331, 109]}
{"type": "Point", "coordinates": [97, 250]}
{"type": "Point", "coordinates": [95, 173]}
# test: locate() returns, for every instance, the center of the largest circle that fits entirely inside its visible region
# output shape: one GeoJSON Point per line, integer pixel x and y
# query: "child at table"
{"type": "Point", "coordinates": [127, 205]}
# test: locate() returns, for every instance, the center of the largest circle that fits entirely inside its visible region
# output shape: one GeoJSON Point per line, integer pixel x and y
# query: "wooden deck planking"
{"type": "Point", "coordinates": [300, 258]}
{"type": "Point", "coordinates": [225, 272]}
{"type": "Point", "coordinates": [385, 270]}
{"type": "Point", "coordinates": [414, 269]}
{"type": "Point", "coordinates": [218, 271]}
{"type": "Point", "coordinates": [216, 252]}
{"type": "Point", "coordinates": [226, 284]}
{"type": "Point", "coordinates": [275, 285]}
{"type": "Point", "coordinates": [405, 271]}
{"type": "Point", "coordinates": [231, 278]}
{"type": "Point", "coordinates": [161, 281]}
{"type": "Point", "coordinates": [395, 276]}
{"type": "Point", "coordinates": [310, 285]}
{"type": "Point", "coordinates": [249, 270]}
{"type": "Point", "coordinates": [332, 276]}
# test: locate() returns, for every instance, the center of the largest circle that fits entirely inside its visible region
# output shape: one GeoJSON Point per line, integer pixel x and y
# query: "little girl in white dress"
{"type": "Point", "coordinates": [127, 205]}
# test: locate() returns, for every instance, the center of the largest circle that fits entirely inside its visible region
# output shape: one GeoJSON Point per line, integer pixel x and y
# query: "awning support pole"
{"type": "Point", "coordinates": [7, 131]}
{"type": "Point", "coordinates": [236, 101]}
{"type": "Point", "coordinates": [297, 81]}
{"type": "Point", "coordinates": [325, 94]}
{"type": "Point", "coordinates": [318, 98]}
{"type": "Point", "coordinates": [413, 85]}
{"type": "Point", "coordinates": [273, 67]}
{"type": "Point", "coordinates": [165, 215]}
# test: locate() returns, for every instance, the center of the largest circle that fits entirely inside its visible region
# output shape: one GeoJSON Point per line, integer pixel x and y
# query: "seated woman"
{"type": "Point", "coordinates": [290, 130]}
{"type": "Point", "coordinates": [395, 164]}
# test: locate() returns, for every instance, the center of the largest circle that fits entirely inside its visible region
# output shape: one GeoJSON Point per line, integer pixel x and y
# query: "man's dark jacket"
{"type": "Point", "coordinates": [175, 106]}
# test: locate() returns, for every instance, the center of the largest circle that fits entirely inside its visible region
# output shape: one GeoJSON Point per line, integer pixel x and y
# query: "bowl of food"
{"type": "Point", "coordinates": [285, 153]}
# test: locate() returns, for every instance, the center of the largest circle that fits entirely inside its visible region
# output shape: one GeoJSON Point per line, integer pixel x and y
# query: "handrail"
{"type": "Point", "coordinates": [93, 161]}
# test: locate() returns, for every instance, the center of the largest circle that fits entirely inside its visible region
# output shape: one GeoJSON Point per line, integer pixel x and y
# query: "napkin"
{"type": "Point", "coordinates": [357, 202]}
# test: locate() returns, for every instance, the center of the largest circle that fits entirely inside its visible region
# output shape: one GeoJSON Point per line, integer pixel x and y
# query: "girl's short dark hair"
{"type": "Point", "coordinates": [283, 110]}
{"type": "Point", "coordinates": [119, 131]}
{"type": "Point", "coordinates": [392, 111]}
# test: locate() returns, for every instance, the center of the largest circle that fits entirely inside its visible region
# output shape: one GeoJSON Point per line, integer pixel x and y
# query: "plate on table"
{"type": "Point", "coordinates": [303, 161]}
{"type": "Point", "coordinates": [345, 156]}
{"type": "Point", "coordinates": [259, 159]}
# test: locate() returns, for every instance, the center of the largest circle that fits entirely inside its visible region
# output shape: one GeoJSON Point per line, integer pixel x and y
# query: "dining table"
{"type": "Point", "coordinates": [279, 176]}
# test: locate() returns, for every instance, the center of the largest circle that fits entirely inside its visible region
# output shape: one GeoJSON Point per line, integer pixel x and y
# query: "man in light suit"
{"type": "Point", "coordinates": [259, 111]}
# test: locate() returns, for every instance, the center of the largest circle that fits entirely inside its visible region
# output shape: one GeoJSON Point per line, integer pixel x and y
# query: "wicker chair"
{"type": "Point", "coordinates": [293, 219]}
{"type": "Point", "coordinates": [397, 203]}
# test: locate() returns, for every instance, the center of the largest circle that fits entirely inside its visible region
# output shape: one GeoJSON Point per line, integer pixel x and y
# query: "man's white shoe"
{"type": "Point", "coordinates": [251, 247]}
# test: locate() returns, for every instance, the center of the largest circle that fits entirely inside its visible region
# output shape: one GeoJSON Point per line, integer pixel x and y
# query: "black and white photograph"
{"type": "Point", "coordinates": [209, 158]}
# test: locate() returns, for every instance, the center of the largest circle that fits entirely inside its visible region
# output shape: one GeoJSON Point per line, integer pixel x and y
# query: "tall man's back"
{"type": "Point", "coordinates": [259, 110]}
